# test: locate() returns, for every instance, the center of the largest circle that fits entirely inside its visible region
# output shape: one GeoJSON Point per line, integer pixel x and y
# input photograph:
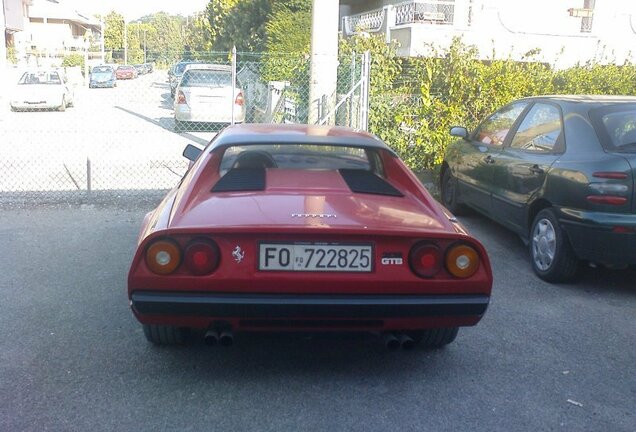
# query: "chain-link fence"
{"type": "Point", "coordinates": [121, 129]}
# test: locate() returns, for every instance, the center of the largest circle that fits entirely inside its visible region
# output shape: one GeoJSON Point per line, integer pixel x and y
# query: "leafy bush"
{"type": "Point", "coordinates": [72, 60]}
{"type": "Point", "coordinates": [415, 101]}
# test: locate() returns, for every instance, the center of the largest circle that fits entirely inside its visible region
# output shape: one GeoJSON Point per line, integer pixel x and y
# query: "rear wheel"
{"type": "Point", "coordinates": [434, 338]}
{"type": "Point", "coordinates": [164, 334]}
{"type": "Point", "coordinates": [449, 193]}
{"type": "Point", "coordinates": [63, 106]}
{"type": "Point", "coordinates": [553, 259]}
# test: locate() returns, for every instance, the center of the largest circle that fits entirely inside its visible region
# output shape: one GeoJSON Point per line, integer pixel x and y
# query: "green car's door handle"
{"type": "Point", "coordinates": [534, 169]}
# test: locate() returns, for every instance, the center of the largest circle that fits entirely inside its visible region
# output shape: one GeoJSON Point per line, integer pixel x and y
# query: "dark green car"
{"type": "Point", "coordinates": [557, 170]}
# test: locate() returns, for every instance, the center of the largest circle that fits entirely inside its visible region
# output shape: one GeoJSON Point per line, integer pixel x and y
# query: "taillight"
{"type": "Point", "coordinates": [607, 199]}
{"type": "Point", "coordinates": [610, 175]}
{"type": "Point", "coordinates": [202, 257]}
{"type": "Point", "coordinates": [425, 259]}
{"type": "Point", "coordinates": [163, 256]}
{"type": "Point", "coordinates": [462, 261]}
{"type": "Point", "coordinates": [181, 99]}
{"type": "Point", "coordinates": [240, 101]}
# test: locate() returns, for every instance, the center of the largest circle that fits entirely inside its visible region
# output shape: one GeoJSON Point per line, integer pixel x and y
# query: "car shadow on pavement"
{"type": "Point", "coordinates": [505, 243]}
{"type": "Point", "coordinates": [166, 123]}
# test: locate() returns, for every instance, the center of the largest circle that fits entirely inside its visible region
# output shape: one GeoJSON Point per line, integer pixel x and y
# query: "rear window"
{"type": "Point", "coordinates": [206, 78]}
{"type": "Point", "coordinates": [40, 78]}
{"type": "Point", "coordinates": [102, 69]}
{"type": "Point", "coordinates": [299, 156]}
{"type": "Point", "coordinates": [616, 127]}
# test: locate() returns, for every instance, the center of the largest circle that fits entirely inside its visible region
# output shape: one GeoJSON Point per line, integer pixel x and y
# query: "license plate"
{"type": "Point", "coordinates": [315, 257]}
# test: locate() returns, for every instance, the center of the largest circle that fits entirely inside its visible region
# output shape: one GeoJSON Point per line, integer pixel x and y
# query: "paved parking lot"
{"type": "Point", "coordinates": [545, 357]}
{"type": "Point", "coordinates": [127, 134]}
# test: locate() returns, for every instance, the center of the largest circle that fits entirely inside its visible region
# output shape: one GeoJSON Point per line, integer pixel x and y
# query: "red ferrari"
{"type": "Point", "coordinates": [304, 228]}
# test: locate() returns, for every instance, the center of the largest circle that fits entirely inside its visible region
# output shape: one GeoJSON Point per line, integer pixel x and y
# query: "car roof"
{"type": "Point", "coordinates": [586, 98]}
{"type": "Point", "coordinates": [208, 66]}
{"type": "Point", "coordinates": [255, 134]}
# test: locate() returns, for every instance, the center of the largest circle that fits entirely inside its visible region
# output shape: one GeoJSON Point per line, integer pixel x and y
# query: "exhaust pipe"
{"type": "Point", "coordinates": [406, 342]}
{"type": "Point", "coordinates": [211, 337]}
{"type": "Point", "coordinates": [391, 342]}
{"type": "Point", "coordinates": [226, 339]}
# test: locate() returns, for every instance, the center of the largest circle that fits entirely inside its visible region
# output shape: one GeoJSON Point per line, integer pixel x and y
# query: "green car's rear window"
{"type": "Point", "coordinates": [616, 127]}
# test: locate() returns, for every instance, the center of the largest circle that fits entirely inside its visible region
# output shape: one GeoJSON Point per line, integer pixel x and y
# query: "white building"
{"type": "Point", "coordinates": [54, 30]}
{"type": "Point", "coordinates": [565, 32]}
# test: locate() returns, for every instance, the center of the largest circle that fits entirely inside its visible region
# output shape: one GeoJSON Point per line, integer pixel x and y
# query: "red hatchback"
{"type": "Point", "coordinates": [125, 72]}
{"type": "Point", "coordinates": [304, 228]}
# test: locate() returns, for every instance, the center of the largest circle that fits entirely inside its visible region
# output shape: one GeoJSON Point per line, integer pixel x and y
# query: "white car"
{"type": "Point", "coordinates": [205, 95]}
{"type": "Point", "coordinates": [42, 89]}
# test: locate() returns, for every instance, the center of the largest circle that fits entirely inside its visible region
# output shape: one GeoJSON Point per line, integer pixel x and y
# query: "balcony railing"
{"type": "Point", "coordinates": [370, 22]}
{"type": "Point", "coordinates": [440, 12]}
{"type": "Point", "coordinates": [421, 11]}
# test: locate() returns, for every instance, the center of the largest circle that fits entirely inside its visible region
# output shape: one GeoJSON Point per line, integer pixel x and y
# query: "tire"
{"type": "Point", "coordinates": [164, 334]}
{"type": "Point", "coordinates": [62, 107]}
{"type": "Point", "coordinates": [449, 194]}
{"type": "Point", "coordinates": [434, 338]}
{"type": "Point", "coordinates": [551, 254]}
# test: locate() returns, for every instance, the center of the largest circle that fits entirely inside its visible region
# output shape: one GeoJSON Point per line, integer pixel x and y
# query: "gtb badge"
{"type": "Point", "coordinates": [238, 254]}
{"type": "Point", "coordinates": [392, 259]}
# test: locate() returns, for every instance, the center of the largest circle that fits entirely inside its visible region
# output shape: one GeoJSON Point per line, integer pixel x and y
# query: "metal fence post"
{"type": "Point", "coordinates": [88, 176]}
{"type": "Point", "coordinates": [364, 91]}
{"type": "Point", "coordinates": [233, 82]}
{"type": "Point", "coordinates": [353, 84]}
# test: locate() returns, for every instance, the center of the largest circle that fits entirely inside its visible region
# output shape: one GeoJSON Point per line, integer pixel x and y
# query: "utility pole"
{"type": "Point", "coordinates": [125, 42]}
{"type": "Point", "coordinates": [324, 58]}
{"type": "Point", "coordinates": [102, 44]}
{"type": "Point", "coordinates": [3, 44]}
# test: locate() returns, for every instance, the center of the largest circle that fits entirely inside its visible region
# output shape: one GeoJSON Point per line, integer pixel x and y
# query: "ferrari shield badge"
{"type": "Point", "coordinates": [238, 254]}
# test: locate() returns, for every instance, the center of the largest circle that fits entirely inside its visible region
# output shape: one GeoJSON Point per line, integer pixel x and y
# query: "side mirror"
{"type": "Point", "coordinates": [459, 131]}
{"type": "Point", "coordinates": [191, 152]}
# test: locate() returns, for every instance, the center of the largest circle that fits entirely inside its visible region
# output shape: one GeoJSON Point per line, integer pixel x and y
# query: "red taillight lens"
{"type": "Point", "coordinates": [240, 101]}
{"type": "Point", "coordinates": [610, 175]}
{"type": "Point", "coordinates": [181, 99]}
{"type": "Point", "coordinates": [607, 199]}
{"type": "Point", "coordinates": [425, 260]}
{"type": "Point", "coordinates": [163, 256]}
{"type": "Point", "coordinates": [202, 257]}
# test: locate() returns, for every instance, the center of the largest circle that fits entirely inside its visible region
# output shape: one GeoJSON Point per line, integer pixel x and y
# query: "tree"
{"type": "Point", "coordinates": [216, 13]}
{"type": "Point", "coordinates": [114, 31]}
{"type": "Point", "coordinates": [288, 41]}
{"type": "Point", "coordinates": [244, 26]}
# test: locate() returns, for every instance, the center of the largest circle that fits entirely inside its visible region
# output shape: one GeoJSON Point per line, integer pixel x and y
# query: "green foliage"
{"type": "Point", "coordinates": [288, 41]}
{"type": "Point", "coordinates": [73, 60]}
{"type": "Point", "coordinates": [244, 27]}
{"type": "Point", "coordinates": [113, 31]}
{"type": "Point", "coordinates": [414, 101]}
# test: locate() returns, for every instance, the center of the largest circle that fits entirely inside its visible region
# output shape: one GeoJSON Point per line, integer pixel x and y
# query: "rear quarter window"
{"type": "Point", "coordinates": [616, 127]}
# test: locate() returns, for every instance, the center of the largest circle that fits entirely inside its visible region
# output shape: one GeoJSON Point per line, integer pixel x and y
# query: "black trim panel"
{"type": "Point", "coordinates": [366, 182]}
{"type": "Point", "coordinates": [241, 180]}
{"type": "Point", "coordinates": [306, 306]}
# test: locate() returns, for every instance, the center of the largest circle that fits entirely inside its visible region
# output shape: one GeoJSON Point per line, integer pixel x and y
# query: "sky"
{"type": "Point", "coordinates": [133, 9]}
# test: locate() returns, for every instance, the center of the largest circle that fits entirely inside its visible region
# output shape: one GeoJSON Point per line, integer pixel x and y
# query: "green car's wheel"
{"type": "Point", "coordinates": [553, 259]}
{"type": "Point", "coordinates": [449, 193]}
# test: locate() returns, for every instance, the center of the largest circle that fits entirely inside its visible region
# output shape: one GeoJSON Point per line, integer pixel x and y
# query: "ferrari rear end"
{"type": "Point", "coordinates": [336, 236]}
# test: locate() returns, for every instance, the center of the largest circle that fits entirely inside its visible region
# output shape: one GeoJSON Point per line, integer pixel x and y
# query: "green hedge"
{"type": "Point", "coordinates": [414, 101]}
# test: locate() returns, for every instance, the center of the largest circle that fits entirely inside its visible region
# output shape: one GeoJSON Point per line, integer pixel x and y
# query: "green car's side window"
{"type": "Point", "coordinates": [540, 131]}
{"type": "Point", "coordinates": [493, 131]}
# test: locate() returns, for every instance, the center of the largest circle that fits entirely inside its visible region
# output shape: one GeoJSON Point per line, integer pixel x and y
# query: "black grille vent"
{"type": "Point", "coordinates": [362, 181]}
{"type": "Point", "coordinates": [241, 180]}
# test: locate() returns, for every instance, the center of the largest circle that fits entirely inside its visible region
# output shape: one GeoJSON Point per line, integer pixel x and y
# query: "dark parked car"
{"type": "Point", "coordinates": [557, 170]}
{"type": "Point", "coordinates": [175, 73]}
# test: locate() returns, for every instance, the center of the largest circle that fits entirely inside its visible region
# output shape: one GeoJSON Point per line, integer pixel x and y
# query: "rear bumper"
{"type": "Point", "coordinates": [593, 236]}
{"type": "Point", "coordinates": [278, 306]}
{"type": "Point", "coordinates": [185, 114]}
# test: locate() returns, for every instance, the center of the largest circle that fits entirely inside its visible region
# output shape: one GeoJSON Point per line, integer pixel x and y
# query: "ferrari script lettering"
{"type": "Point", "coordinates": [313, 215]}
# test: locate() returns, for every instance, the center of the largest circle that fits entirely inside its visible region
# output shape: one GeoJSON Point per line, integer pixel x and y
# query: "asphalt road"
{"type": "Point", "coordinates": [72, 357]}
